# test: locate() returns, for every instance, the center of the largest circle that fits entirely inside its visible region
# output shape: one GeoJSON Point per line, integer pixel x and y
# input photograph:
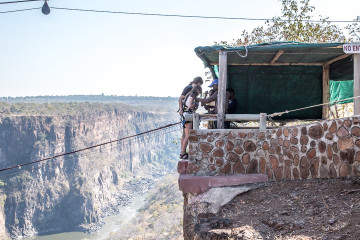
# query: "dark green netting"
{"type": "Point", "coordinates": [342, 70]}
{"type": "Point", "coordinates": [341, 90]}
{"type": "Point", "coordinates": [270, 88]}
{"type": "Point", "coordinates": [260, 89]}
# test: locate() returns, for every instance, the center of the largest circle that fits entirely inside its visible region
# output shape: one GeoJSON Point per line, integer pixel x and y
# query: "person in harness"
{"type": "Point", "coordinates": [189, 106]}
{"type": "Point", "coordinates": [198, 81]}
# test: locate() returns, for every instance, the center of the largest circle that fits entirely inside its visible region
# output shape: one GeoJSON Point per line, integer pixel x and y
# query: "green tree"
{"type": "Point", "coordinates": [354, 30]}
{"type": "Point", "coordinates": [294, 25]}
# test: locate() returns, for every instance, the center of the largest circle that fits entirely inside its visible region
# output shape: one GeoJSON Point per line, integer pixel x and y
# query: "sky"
{"type": "Point", "coordinates": [70, 53]}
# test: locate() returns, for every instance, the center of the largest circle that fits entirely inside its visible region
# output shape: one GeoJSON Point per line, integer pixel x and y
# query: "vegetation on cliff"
{"type": "Point", "coordinates": [74, 192]}
{"type": "Point", "coordinates": [161, 216]}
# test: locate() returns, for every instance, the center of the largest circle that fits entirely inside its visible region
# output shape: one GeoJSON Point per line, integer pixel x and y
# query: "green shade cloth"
{"type": "Point", "coordinates": [271, 88]}
{"type": "Point", "coordinates": [341, 90]}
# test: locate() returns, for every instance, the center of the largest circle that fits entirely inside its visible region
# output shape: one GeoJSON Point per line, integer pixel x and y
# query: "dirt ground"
{"type": "Point", "coordinates": [305, 209]}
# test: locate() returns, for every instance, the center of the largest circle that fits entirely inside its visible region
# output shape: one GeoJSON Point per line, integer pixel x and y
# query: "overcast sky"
{"type": "Point", "coordinates": [70, 52]}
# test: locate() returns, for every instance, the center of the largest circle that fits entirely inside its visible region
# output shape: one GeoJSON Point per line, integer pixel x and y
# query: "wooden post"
{"type": "Point", "coordinates": [326, 90]}
{"type": "Point", "coordinates": [356, 83]}
{"type": "Point", "coordinates": [196, 120]}
{"type": "Point", "coordinates": [221, 97]}
{"type": "Point", "coordinates": [262, 121]}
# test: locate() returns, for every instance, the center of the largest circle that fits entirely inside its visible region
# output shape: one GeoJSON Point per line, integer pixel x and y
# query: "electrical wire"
{"type": "Point", "coordinates": [21, 10]}
{"type": "Point", "coordinates": [185, 16]}
{"type": "Point", "coordinates": [91, 152]}
{"type": "Point", "coordinates": [192, 16]}
{"type": "Point", "coordinates": [20, 1]}
{"type": "Point", "coordinates": [91, 147]}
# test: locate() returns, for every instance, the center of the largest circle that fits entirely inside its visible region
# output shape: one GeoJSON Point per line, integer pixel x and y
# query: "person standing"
{"type": "Point", "coordinates": [212, 99]}
{"type": "Point", "coordinates": [198, 81]}
{"type": "Point", "coordinates": [189, 107]}
{"type": "Point", "coordinates": [231, 105]}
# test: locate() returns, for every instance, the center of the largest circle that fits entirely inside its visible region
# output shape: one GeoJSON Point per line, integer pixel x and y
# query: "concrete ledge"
{"type": "Point", "coordinates": [200, 184]}
{"type": "Point", "coordinates": [182, 166]}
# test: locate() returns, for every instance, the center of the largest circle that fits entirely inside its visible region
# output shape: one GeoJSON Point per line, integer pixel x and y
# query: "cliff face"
{"type": "Point", "coordinates": [73, 192]}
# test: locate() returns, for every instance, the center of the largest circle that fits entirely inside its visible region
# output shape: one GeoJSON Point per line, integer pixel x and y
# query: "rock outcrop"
{"type": "Point", "coordinates": [75, 191]}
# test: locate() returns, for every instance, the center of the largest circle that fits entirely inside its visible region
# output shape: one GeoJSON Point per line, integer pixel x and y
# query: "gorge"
{"type": "Point", "coordinates": [74, 192]}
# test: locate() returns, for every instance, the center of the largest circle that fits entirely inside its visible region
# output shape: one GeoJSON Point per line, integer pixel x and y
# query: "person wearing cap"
{"type": "Point", "coordinates": [213, 97]}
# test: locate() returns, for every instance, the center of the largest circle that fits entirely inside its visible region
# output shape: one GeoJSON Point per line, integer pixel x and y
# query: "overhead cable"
{"type": "Point", "coordinates": [21, 10]}
{"type": "Point", "coordinates": [189, 16]}
{"type": "Point", "coordinates": [20, 1]}
{"type": "Point", "coordinates": [91, 147]}
{"type": "Point", "coordinates": [87, 153]}
{"type": "Point", "coordinates": [192, 16]}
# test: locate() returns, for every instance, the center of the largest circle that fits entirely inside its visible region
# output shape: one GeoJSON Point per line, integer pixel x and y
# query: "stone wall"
{"type": "Point", "coordinates": [326, 149]}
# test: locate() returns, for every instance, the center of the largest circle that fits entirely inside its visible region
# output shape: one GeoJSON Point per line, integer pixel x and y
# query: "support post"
{"type": "Point", "coordinates": [221, 97]}
{"type": "Point", "coordinates": [262, 121]}
{"type": "Point", "coordinates": [356, 83]}
{"type": "Point", "coordinates": [196, 120]}
{"type": "Point", "coordinates": [326, 91]}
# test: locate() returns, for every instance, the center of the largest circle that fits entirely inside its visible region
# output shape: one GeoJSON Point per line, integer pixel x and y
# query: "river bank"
{"type": "Point", "coordinates": [129, 201]}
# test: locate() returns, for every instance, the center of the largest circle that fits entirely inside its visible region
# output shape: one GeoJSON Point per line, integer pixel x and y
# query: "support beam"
{"type": "Point", "coordinates": [221, 97]}
{"type": "Point", "coordinates": [337, 59]}
{"type": "Point", "coordinates": [196, 120]}
{"type": "Point", "coordinates": [326, 91]}
{"type": "Point", "coordinates": [356, 83]}
{"type": "Point", "coordinates": [276, 57]}
{"type": "Point", "coordinates": [262, 121]}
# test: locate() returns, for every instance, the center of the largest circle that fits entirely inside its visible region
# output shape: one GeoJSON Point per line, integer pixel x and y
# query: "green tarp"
{"type": "Point", "coordinates": [341, 90]}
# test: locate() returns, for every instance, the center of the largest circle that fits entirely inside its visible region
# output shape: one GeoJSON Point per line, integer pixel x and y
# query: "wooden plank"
{"type": "Point", "coordinates": [337, 59]}
{"type": "Point", "coordinates": [356, 84]}
{"type": "Point", "coordinates": [269, 64]}
{"type": "Point", "coordinates": [276, 57]}
{"type": "Point", "coordinates": [221, 97]}
{"type": "Point", "coordinates": [326, 91]}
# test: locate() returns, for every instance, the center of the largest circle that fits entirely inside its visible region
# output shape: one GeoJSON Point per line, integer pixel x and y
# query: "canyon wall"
{"type": "Point", "coordinates": [74, 192]}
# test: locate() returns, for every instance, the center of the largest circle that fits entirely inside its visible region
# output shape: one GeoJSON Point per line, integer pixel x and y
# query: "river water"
{"type": "Point", "coordinates": [112, 224]}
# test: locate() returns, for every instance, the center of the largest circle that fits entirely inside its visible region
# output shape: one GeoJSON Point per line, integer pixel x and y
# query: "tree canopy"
{"type": "Point", "coordinates": [295, 25]}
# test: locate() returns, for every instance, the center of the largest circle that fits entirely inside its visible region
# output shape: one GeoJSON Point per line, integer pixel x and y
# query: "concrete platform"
{"type": "Point", "coordinates": [182, 166]}
{"type": "Point", "coordinates": [200, 184]}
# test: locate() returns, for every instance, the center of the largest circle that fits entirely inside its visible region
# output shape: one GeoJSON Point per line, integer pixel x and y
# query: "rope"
{"type": "Point", "coordinates": [246, 53]}
{"type": "Point", "coordinates": [87, 148]}
{"type": "Point", "coordinates": [312, 106]}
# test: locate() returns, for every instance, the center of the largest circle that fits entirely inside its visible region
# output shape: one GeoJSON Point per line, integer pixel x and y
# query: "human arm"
{"type": "Point", "coordinates": [181, 99]}
{"type": "Point", "coordinates": [209, 99]}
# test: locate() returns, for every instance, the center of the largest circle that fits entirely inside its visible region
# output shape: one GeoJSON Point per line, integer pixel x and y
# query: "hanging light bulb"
{"type": "Point", "coordinates": [45, 8]}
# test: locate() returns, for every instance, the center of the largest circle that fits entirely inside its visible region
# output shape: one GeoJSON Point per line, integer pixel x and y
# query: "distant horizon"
{"type": "Point", "coordinates": [69, 52]}
{"type": "Point", "coordinates": [75, 95]}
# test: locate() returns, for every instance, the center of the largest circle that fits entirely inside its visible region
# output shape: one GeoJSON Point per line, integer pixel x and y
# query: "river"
{"type": "Point", "coordinates": [112, 224]}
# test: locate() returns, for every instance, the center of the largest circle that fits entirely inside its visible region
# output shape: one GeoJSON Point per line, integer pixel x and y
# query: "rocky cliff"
{"type": "Point", "coordinates": [75, 191]}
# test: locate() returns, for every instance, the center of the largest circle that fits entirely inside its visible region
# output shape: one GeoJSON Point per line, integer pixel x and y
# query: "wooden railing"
{"type": "Point", "coordinates": [196, 118]}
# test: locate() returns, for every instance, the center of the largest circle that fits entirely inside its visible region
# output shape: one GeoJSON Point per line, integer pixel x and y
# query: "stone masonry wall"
{"type": "Point", "coordinates": [326, 149]}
